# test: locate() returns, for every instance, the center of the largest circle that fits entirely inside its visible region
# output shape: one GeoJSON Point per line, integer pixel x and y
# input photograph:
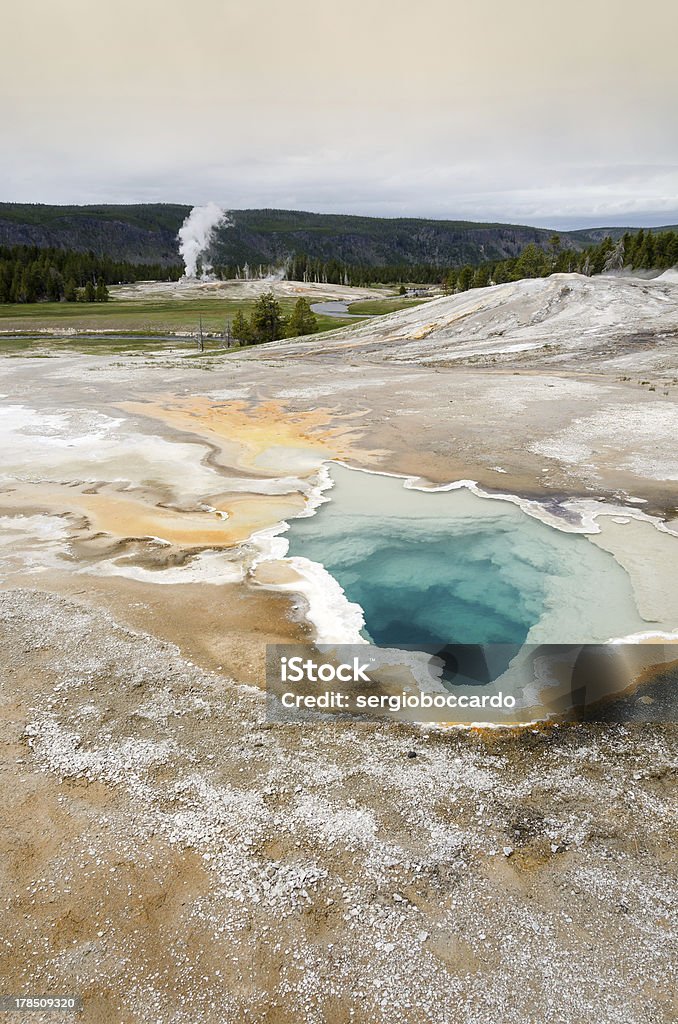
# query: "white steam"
{"type": "Point", "coordinates": [195, 235]}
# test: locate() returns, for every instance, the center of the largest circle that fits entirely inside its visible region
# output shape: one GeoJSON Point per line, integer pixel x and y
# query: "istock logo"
{"type": "Point", "coordinates": [293, 670]}
{"type": "Point", "coordinates": [490, 684]}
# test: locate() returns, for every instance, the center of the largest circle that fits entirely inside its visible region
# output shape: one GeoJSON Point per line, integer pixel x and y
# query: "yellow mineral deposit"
{"type": "Point", "coordinates": [264, 438]}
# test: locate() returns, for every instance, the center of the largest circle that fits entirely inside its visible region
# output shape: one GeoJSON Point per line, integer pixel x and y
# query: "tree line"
{"type": "Point", "coordinates": [644, 250]}
{"type": "Point", "coordinates": [31, 274]}
{"type": "Point", "coordinates": [641, 250]}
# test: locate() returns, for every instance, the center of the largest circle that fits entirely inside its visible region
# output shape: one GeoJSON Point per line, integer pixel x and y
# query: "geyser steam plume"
{"type": "Point", "coordinates": [195, 235]}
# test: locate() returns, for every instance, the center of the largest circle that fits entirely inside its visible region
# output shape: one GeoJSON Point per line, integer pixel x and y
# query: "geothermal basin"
{"type": "Point", "coordinates": [481, 581]}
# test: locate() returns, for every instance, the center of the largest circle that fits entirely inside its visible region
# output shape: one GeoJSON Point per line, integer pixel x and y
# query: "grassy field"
{"type": "Point", "coordinates": [41, 346]}
{"type": "Point", "coordinates": [145, 318]}
{"type": "Point", "coordinates": [373, 307]}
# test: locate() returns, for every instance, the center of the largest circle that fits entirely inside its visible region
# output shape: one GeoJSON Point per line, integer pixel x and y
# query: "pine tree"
{"type": "Point", "coordinates": [672, 250]}
{"type": "Point", "coordinates": [55, 285]}
{"type": "Point", "coordinates": [628, 248]}
{"type": "Point", "coordinates": [302, 321]}
{"type": "Point", "coordinates": [481, 278]}
{"type": "Point", "coordinates": [89, 294]}
{"type": "Point", "coordinates": [500, 273]}
{"type": "Point", "coordinates": [465, 278]}
{"type": "Point", "coordinates": [635, 249]}
{"type": "Point", "coordinates": [5, 282]}
{"type": "Point", "coordinates": [600, 253]}
{"type": "Point", "coordinates": [554, 249]}
{"type": "Point", "coordinates": [450, 282]}
{"type": "Point", "coordinates": [645, 258]}
{"type": "Point", "coordinates": [267, 322]}
{"type": "Point", "coordinates": [241, 328]}
{"type": "Point", "coordinates": [101, 291]}
{"type": "Point", "coordinates": [532, 262]}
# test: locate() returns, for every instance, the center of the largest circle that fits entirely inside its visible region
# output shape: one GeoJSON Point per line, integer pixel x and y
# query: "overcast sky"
{"type": "Point", "coordinates": [532, 111]}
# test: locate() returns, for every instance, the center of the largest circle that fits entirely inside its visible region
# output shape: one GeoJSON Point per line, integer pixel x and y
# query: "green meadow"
{"type": "Point", "coordinates": [143, 317]}
{"type": "Point", "coordinates": [375, 307]}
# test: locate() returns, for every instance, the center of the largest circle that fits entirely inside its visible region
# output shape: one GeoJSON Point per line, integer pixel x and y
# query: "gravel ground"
{"type": "Point", "coordinates": [175, 858]}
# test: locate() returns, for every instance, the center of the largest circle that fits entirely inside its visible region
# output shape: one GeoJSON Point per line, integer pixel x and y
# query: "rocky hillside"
{"type": "Point", "coordinates": [623, 325]}
{"type": "Point", "coordinates": [147, 234]}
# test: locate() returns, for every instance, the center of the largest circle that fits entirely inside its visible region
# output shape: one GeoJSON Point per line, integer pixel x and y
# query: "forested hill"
{"type": "Point", "coordinates": [267, 236]}
{"type": "Point", "coordinates": [147, 234]}
{"type": "Point", "coordinates": [135, 234]}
